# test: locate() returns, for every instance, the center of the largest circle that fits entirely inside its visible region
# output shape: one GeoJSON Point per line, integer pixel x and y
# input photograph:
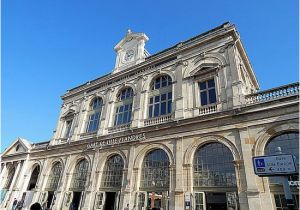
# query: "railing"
{"type": "Point", "coordinates": [159, 120]}
{"type": "Point", "coordinates": [88, 135]}
{"type": "Point", "coordinates": [273, 94]}
{"type": "Point", "coordinates": [118, 128]}
{"type": "Point", "coordinates": [62, 140]}
{"type": "Point", "coordinates": [208, 109]}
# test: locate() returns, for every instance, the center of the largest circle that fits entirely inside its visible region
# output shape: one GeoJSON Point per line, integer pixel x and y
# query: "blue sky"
{"type": "Point", "coordinates": [50, 46]}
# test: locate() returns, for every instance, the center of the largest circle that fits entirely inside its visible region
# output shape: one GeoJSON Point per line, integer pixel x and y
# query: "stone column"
{"type": "Point", "coordinates": [178, 96]}
{"type": "Point", "coordinates": [129, 181]}
{"type": "Point", "coordinates": [88, 202]}
{"type": "Point", "coordinates": [172, 187]}
{"type": "Point", "coordinates": [137, 104]}
{"type": "Point", "coordinates": [178, 176]}
{"type": "Point", "coordinates": [254, 186]}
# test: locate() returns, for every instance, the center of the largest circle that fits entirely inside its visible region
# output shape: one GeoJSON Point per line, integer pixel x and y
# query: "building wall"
{"type": "Point", "coordinates": [243, 127]}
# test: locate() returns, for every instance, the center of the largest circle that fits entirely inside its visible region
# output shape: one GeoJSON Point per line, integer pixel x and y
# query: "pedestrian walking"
{"type": "Point", "coordinates": [15, 202]}
{"type": "Point", "coordinates": [127, 207]}
{"type": "Point", "coordinates": [19, 205]}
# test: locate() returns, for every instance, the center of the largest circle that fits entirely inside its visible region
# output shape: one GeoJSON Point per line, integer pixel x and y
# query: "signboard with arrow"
{"type": "Point", "coordinates": [274, 165]}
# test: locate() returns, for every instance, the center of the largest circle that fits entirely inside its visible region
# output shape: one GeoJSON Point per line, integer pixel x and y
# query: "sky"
{"type": "Point", "coordinates": [50, 46]}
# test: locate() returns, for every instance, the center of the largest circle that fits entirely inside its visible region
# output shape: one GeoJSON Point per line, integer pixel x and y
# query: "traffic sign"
{"type": "Point", "coordinates": [274, 165]}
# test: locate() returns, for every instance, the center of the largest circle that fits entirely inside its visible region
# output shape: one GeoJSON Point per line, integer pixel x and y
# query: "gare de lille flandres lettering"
{"type": "Point", "coordinates": [114, 141]}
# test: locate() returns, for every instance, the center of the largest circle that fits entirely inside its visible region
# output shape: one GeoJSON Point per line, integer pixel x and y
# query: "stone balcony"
{"type": "Point", "coordinates": [122, 127]}
{"type": "Point", "coordinates": [273, 94]}
{"type": "Point", "coordinates": [208, 109]}
{"type": "Point", "coordinates": [159, 120]}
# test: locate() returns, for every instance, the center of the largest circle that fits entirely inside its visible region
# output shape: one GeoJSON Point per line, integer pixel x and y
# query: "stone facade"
{"type": "Point", "coordinates": [97, 158]}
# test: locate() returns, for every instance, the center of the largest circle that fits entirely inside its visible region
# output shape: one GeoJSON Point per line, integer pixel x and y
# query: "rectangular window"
{"type": "Point", "coordinates": [123, 114]}
{"type": "Point", "coordinates": [161, 105]}
{"type": "Point", "coordinates": [207, 92]}
{"type": "Point", "coordinates": [93, 122]}
{"type": "Point", "coordinates": [280, 202]}
{"type": "Point", "coordinates": [68, 128]}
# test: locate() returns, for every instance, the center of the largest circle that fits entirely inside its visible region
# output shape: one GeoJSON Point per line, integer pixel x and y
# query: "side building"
{"type": "Point", "coordinates": [173, 130]}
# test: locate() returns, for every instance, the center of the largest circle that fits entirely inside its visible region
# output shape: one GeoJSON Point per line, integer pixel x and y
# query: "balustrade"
{"type": "Point", "coordinates": [159, 120]}
{"type": "Point", "coordinates": [273, 94]}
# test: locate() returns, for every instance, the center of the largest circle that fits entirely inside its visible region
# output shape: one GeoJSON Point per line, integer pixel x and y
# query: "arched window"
{"type": "Point", "coordinates": [54, 177]}
{"type": "Point", "coordinates": [155, 170]}
{"type": "Point", "coordinates": [10, 176]}
{"type": "Point", "coordinates": [289, 143]}
{"type": "Point", "coordinates": [160, 97]}
{"type": "Point", "coordinates": [80, 175]}
{"type": "Point", "coordinates": [94, 115]}
{"type": "Point", "coordinates": [113, 172]}
{"type": "Point", "coordinates": [34, 178]}
{"type": "Point", "coordinates": [213, 166]}
{"type": "Point", "coordinates": [123, 108]}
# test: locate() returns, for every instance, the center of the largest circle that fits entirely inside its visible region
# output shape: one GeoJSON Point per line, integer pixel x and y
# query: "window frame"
{"type": "Point", "coordinates": [197, 81]}
{"type": "Point", "coordinates": [91, 113]}
{"type": "Point", "coordinates": [122, 102]}
{"type": "Point", "coordinates": [153, 92]}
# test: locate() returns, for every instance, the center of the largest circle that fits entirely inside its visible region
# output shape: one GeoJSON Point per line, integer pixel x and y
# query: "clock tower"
{"type": "Point", "coordinates": [130, 50]}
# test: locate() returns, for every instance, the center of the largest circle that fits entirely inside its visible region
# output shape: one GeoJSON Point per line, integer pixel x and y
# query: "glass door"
{"type": "Point", "coordinates": [99, 200]}
{"type": "Point", "coordinates": [142, 200]}
{"type": "Point", "coordinates": [199, 201]}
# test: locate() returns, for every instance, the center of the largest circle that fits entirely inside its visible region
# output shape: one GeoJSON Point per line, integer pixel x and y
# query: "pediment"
{"type": "Point", "coordinates": [204, 69]}
{"type": "Point", "coordinates": [18, 146]}
{"type": "Point", "coordinates": [131, 39]}
{"type": "Point", "coordinates": [68, 113]}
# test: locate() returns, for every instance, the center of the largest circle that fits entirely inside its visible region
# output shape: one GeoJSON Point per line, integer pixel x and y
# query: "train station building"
{"type": "Point", "coordinates": [171, 131]}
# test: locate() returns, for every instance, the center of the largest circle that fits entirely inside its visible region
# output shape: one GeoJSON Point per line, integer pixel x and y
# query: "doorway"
{"type": "Point", "coordinates": [216, 201]}
{"type": "Point", "coordinates": [50, 198]}
{"type": "Point", "coordinates": [110, 201]}
{"type": "Point", "coordinates": [76, 200]}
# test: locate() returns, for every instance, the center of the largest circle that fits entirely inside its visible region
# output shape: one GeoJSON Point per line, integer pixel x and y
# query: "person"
{"type": "Point", "coordinates": [127, 207]}
{"type": "Point", "coordinates": [19, 205]}
{"type": "Point", "coordinates": [15, 202]}
{"type": "Point", "coordinates": [134, 207]}
{"type": "Point", "coordinates": [44, 207]}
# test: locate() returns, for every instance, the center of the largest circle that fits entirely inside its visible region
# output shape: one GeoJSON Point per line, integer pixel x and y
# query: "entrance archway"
{"type": "Point", "coordinates": [289, 144]}
{"type": "Point", "coordinates": [112, 182]}
{"type": "Point", "coordinates": [155, 181]}
{"type": "Point", "coordinates": [34, 177]}
{"type": "Point", "coordinates": [78, 183]}
{"type": "Point", "coordinates": [214, 178]}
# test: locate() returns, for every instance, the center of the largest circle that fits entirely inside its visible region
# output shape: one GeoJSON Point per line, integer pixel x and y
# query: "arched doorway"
{"type": "Point", "coordinates": [111, 183]}
{"type": "Point", "coordinates": [34, 178]}
{"type": "Point", "coordinates": [289, 144]}
{"type": "Point", "coordinates": [214, 179]}
{"type": "Point", "coordinates": [155, 181]}
{"type": "Point", "coordinates": [78, 183]}
{"type": "Point", "coordinates": [52, 183]}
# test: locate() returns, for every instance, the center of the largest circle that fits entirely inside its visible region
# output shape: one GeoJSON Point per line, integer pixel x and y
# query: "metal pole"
{"type": "Point", "coordinates": [286, 187]}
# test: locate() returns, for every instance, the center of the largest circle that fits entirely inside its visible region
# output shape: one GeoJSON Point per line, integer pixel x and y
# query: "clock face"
{"type": "Point", "coordinates": [129, 55]}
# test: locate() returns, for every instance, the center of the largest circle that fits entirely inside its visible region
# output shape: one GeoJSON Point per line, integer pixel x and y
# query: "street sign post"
{"type": "Point", "coordinates": [274, 165]}
{"type": "Point", "coordinates": [281, 165]}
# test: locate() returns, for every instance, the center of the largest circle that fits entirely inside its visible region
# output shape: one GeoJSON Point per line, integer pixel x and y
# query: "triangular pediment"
{"type": "Point", "coordinates": [18, 146]}
{"type": "Point", "coordinates": [69, 113]}
{"type": "Point", "coordinates": [203, 69]}
{"type": "Point", "coordinates": [129, 38]}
